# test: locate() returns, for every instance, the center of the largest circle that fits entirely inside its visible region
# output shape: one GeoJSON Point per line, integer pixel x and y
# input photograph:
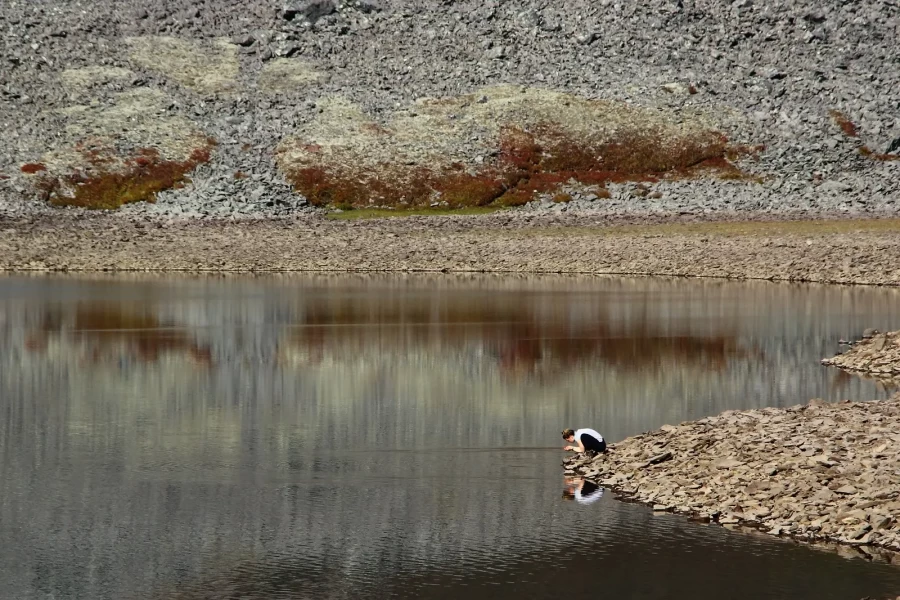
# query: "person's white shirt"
{"type": "Point", "coordinates": [590, 432]}
{"type": "Point", "coordinates": [589, 497]}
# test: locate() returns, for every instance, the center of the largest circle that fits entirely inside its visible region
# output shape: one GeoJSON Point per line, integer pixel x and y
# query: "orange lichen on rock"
{"type": "Point", "coordinates": [32, 168]}
{"type": "Point", "coordinates": [850, 130]}
{"type": "Point", "coordinates": [109, 180]}
{"type": "Point", "coordinates": [527, 164]}
{"type": "Point", "coordinates": [505, 150]}
{"type": "Point", "coordinates": [843, 121]}
{"type": "Point", "coordinates": [869, 153]}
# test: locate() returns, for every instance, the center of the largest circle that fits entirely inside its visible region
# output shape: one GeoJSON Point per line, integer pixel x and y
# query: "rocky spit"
{"type": "Point", "coordinates": [839, 251]}
{"type": "Point", "coordinates": [876, 355]}
{"type": "Point", "coordinates": [817, 472]}
{"type": "Point", "coordinates": [227, 108]}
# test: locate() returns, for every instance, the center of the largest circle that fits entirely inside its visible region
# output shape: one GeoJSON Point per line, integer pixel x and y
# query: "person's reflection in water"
{"type": "Point", "coordinates": [581, 490]}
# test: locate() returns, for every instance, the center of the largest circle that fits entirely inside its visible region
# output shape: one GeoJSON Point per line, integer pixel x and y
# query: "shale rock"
{"type": "Point", "coordinates": [777, 79]}
{"type": "Point", "coordinates": [876, 354]}
{"type": "Point", "coordinates": [822, 472]}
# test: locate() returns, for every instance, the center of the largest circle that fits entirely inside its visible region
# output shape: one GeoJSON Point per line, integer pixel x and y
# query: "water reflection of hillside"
{"type": "Point", "coordinates": [525, 338]}
{"type": "Point", "coordinates": [108, 332]}
{"type": "Point", "coordinates": [521, 338]}
{"type": "Point", "coordinates": [208, 427]}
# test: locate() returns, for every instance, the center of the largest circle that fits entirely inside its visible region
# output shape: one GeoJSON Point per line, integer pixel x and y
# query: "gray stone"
{"type": "Point", "coordinates": [311, 10]}
{"type": "Point", "coordinates": [369, 6]}
{"type": "Point", "coordinates": [893, 147]}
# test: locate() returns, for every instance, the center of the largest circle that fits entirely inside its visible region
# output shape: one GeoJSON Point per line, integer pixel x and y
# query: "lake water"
{"type": "Point", "coordinates": [391, 437]}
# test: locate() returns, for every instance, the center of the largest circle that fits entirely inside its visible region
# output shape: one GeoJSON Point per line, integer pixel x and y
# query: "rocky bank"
{"type": "Point", "coordinates": [224, 108]}
{"type": "Point", "coordinates": [876, 355]}
{"type": "Point", "coordinates": [838, 251]}
{"type": "Point", "coordinates": [817, 472]}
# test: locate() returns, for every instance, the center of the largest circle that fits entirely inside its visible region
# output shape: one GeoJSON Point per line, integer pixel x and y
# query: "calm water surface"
{"type": "Point", "coordinates": [379, 437]}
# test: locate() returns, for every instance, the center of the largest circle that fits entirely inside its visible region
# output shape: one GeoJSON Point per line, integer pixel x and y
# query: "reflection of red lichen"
{"type": "Point", "coordinates": [111, 181]}
{"type": "Point", "coordinates": [518, 339]}
{"type": "Point", "coordinates": [527, 163]}
{"type": "Point", "coordinates": [109, 331]}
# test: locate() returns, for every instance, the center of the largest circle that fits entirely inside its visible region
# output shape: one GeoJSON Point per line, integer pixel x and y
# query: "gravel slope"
{"type": "Point", "coordinates": [253, 74]}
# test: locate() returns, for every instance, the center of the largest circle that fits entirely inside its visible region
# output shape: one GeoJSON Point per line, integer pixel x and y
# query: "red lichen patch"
{"type": "Point", "coordinates": [526, 164]}
{"type": "Point", "coordinates": [539, 162]}
{"type": "Point", "coordinates": [322, 189]}
{"type": "Point", "coordinates": [458, 191]}
{"type": "Point", "coordinates": [843, 121]}
{"type": "Point", "coordinates": [3, 177]}
{"type": "Point", "coordinates": [111, 181]}
{"type": "Point", "coordinates": [850, 130]}
{"type": "Point", "coordinates": [869, 153]}
{"type": "Point", "coordinates": [32, 168]}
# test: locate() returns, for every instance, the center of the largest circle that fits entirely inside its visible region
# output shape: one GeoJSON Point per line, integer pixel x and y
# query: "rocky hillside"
{"type": "Point", "coordinates": [220, 108]}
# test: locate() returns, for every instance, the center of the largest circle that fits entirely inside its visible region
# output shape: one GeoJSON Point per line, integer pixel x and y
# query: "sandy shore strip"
{"type": "Point", "coordinates": [827, 251]}
{"type": "Point", "coordinates": [817, 473]}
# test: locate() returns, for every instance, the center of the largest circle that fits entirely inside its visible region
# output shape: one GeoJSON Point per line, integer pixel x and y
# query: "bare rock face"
{"type": "Point", "coordinates": [820, 472]}
{"type": "Point", "coordinates": [501, 144]}
{"type": "Point", "coordinates": [877, 354]}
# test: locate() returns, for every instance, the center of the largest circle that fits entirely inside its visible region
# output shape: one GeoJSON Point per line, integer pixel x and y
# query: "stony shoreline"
{"type": "Point", "coordinates": [754, 247]}
{"type": "Point", "coordinates": [821, 473]}
{"type": "Point", "coordinates": [876, 355]}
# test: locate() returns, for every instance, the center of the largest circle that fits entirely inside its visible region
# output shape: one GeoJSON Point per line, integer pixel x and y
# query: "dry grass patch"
{"type": "Point", "coordinates": [205, 68]}
{"type": "Point", "coordinates": [285, 75]}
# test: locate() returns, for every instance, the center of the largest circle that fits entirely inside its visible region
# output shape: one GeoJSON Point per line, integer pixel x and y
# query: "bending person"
{"type": "Point", "coordinates": [581, 490]}
{"type": "Point", "coordinates": [587, 439]}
